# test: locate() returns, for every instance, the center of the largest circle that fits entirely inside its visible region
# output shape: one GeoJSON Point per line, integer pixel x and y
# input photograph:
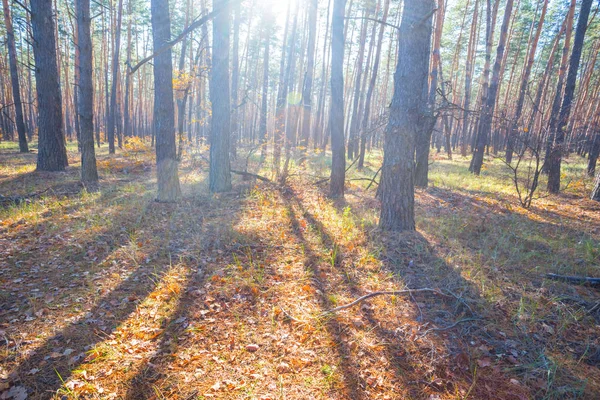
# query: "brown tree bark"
{"type": "Point", "coordinates": [524, 84]}
{"type": "Point", "coordinates": [406, 117]}
{"type": "Point", "coordinates": [85, 105]}
{"type": "Point", "coordinates": [14, 79]}
{"type": "Point", "coordinates": [555, 158]}
{"type": "Point", "coordinates": [424, 137]}
{"type": "Point", "coordinates": [164, 109]}
{"type": "Point", "coordinates": [52, 153]}
{"type": "Point", "coordinates": [487, 114]}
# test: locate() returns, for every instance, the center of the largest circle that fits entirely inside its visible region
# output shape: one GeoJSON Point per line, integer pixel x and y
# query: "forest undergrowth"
{"type": "Point", "coordinates": [111, 295]}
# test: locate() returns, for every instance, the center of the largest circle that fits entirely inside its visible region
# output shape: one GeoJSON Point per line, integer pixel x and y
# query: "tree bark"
{"type": "Point", "coordinates": [308, 79]}
{"type": "Point", "coordinates": [524, 85]}
{"type": "Point", "coordinates": [220, 168]}
{"type": "Point", "coordinates": [371, 89]}
{"type": "Point", "coordinates": [52, 153]}
{"type": "Point", "coordinates": [424, 137]}
{"type": "Point", "coordinates": [112, 114]}
{"type": "Point", "coordinates": [164, 109]}
{"type": "Point", "coordinates": [406, 117]}
{"type": "Point", "coordinates": [336, 123]}
{"type": "Point", "coordinates": [485, 124]}
{"type": "Point", "coordinates": [554, 161]}
{"type": "Point", "coordinates": [14, 79]}
{"type": "Point", "coordinates": [85, 105]}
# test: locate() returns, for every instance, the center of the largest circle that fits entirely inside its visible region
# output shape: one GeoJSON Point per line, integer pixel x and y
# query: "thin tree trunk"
{"type": "Point", "coordinates": [220, 168]}
{"type": "Point", "coordinates": [112, 114]}
{"type": "Point", "coordinates": [485, 125]}
{"type": "Point", "coordinates": [338, 156]}
{"type": "Point", "coordinates": [85, 105]}
{"type": "Point", "coordinates": [371, 89]}
{"type": "Point", "coordinates": [554, 161]}
{"type": "Point", "coordinates": [424, 137]}
{"type": "Point", "coordinates": [14, 79]}
{"type": "Point", "coordinates": [524, 85]}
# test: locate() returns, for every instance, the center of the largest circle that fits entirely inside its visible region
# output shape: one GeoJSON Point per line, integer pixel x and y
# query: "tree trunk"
{"type": "Point", "coordinates": [554, 161]}
{"type": "Point", "coordinates": [371, 89]}
{"type": "Point", "coordinates": [469, 78]}
{"type": "Point", "coordinates": [52, 153]}
{"type": "Point", "coordinates": [85, 105]}
{"type": "Point", "coordinates": [485, 123]}
{"type": "Point", "coordinates": [235, 78]}
{"type": "Point", "coordinates": [14, 79]}
{"type": "Point", "coordinates": [164, 109]}
{"type": "Point", "coordinates": [406, 116]}
{"type": "Point", "coordinates": [336, 123]}
{"type": "Point", "coordinates": [355, 118]}
{"type": "Point", "coordinates": [424, 137]}
{"type": "Point", "coordinates": [112, 113]}
{"type": "Point", "coordinates": [265, 93]}
{"type": "Point", "coordinates": [308, 79]}
{"type": "Point", "coordinates": [220, 168]}
{"type": "Point", "coordinates": [524, 85]}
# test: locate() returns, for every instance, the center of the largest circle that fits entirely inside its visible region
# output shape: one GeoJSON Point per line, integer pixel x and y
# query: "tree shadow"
{"type": "Point", "coordinates": [55, 360]}
{"type": "Point", "coordinates": [412, 262]}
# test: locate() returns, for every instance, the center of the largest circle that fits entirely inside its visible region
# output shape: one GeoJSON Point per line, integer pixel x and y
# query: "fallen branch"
{"type": "Point", "coordinates": [384, 293]}
{"type": "Point", "coordinates": [374, 177]}
{"type": "Point", "coordinates": [5, 200]}
{"type": "Point", "coordinates": [445, 328]}
{"type": "Point", "coordinates": [251, 175]}
{"type": "Point", "coordinates": [579, 280]}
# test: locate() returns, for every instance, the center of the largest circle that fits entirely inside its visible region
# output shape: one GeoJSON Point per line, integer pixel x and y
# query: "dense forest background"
{"type": "Point", "coordinates": [260, 199]}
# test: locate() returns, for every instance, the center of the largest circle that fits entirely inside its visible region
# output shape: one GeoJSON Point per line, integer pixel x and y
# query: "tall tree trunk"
{"type": "Point", "coordinates": [127, 103]}
{"type": "Point", "coordinates": [355, 118]}
{"type": "Point", "coordinates": [112, 114]}
{"type": "Point", "coordinates": [235, 79]}
{"type": "Point", "coordinates": [14, 79]}
{"type": "Point", "coordinates": [220, 169]}
{"type": "Point", "coordinates": [424, 137]}
{"type": "Point", "coordinates": [485, 124]}
{"type": "Point", "coordinates": [524, 85]}
{"type": "Point", "coordinates": [406, 116]}
{"type": "Point", "coordinates": [471, 49]}
{"type": "Point", "coordinates": [164, 109]}
{"type": "Point", "coordinates": [265, 93]}
{"type": "Point", "coordinates": [338, 156]}
{"type": "Point", "coordinates": [52, 153]}
{"type": "Point", "coordinates": [308, 78]}
{"type": "Point", "coordinates": [371, 89]}
{"type": "Point", "coordinates": [554, 161]}
{"type": "Point", "coordinates": [555, 108]}
{"type": "Point", "coordinates": [85, 105]}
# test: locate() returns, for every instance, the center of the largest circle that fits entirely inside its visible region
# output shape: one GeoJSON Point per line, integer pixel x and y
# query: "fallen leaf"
{"type": "Point", "coordinates": [15, 393]}
{"type": "Point", "coordinates": [252, 348]}
{"type": "Point", "coordinates": [484, 362]}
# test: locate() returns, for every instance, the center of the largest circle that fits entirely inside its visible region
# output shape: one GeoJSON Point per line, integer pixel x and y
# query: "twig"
{"type": "Point", "coordinates": [445, 328]}
{"type": "Point", "coordinates": [259, 177]}
{"type": "Point", "coordinates": [383, 293]}
{"type": "Point", "coordinates": [374, 177]}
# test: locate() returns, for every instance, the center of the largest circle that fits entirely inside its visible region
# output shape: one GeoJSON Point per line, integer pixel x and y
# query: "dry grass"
{"type": "Point", "coordinates": [111, 295]}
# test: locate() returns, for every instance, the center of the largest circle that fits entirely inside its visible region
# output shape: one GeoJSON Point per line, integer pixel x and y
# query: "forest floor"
{"type": "Point", "coordinates": [111, 295]}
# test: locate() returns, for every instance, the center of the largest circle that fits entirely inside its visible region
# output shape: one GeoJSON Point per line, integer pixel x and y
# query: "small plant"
{"type": "Point", "coordinates": [528, 151]}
